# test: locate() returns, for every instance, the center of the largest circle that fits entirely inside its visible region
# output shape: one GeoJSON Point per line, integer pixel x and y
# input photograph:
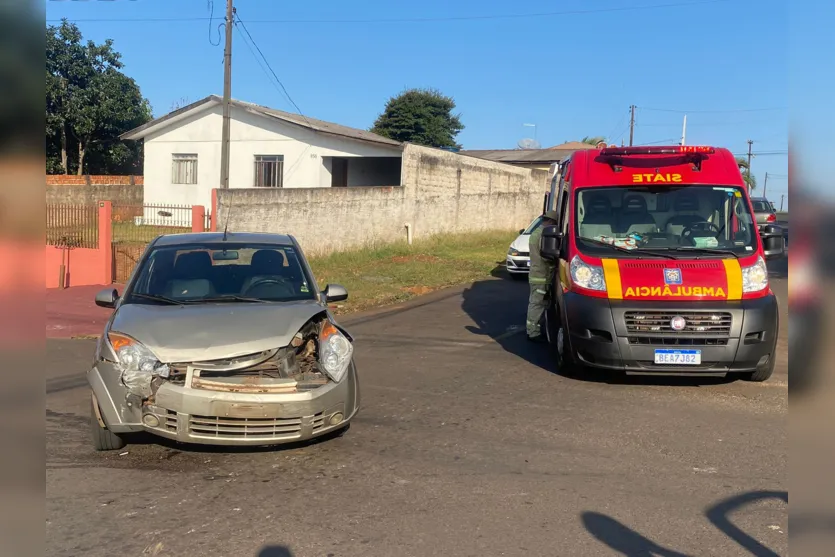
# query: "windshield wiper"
{"type": "Point", "coordinates": [157, 298]}
{"type": "Point", "coordinates": [234, 298]}
{"type": "Point", "coordinates": [633, 252]}
{"type": "Point", "coordinates": [702, 250]}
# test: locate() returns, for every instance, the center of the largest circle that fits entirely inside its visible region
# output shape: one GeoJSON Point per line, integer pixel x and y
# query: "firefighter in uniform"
{"type": "Point", "coordinates": [540, 278]}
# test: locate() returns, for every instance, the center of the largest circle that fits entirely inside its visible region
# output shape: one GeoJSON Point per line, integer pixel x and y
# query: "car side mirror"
{"type": "Point", "coordinates": [774, 243]}
{"type": "Point", "coordinates": [521, 231]}
{"type": "Point", "coordinates": [335, 293]}
{"type": "Point", "coordinates": [551, 243]}
{"type": "Point", "coordinates": [107, 298]}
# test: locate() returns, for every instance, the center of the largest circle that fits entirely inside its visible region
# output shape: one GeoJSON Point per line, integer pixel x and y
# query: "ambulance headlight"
{"type": "Point", "coordinates": [587, 276]}
{"type": "Point", "coordinates": [755, 277]}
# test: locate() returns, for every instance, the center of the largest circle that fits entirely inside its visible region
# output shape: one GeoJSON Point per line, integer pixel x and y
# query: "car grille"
{"type": "Point", "coordinates": [678, 341]}
{"type": "Point", "coordinates": [523, 254]}
{"type": "Point", "coordinates": [701, 323]}
{"type": "Point", "coordinates": [249, 428]}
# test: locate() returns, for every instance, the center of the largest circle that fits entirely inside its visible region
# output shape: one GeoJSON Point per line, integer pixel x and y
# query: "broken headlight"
{"type": "Point", "coordinates": [335, 352]}
{"type": "Point", "coordinates": [137, 364]}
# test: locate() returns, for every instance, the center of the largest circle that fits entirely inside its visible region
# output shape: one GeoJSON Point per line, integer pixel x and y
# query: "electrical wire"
{"type": "Point", "coordinates": [731, 111]}
{"type": "Point", "coordinates": [211, 6]}
{"type": "Point", "coordinates": [418, 19]}
{"type": "Point", "coordinates": [237, 21]}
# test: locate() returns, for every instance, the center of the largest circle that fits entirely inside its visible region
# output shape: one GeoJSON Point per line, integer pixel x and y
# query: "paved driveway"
{"type": "Point", "coordinates": [468, 444]}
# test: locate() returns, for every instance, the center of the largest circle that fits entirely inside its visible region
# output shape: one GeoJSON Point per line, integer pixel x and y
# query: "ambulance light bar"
{"type": "Point", "coordinates": [674, 150]}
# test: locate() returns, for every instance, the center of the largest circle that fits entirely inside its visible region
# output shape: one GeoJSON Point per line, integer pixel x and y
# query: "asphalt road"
{"type": "Point", "coordinates": [468, 444]}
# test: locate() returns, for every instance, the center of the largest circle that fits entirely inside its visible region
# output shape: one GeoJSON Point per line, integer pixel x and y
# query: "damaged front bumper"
{"type": "Point", "coordinates": [202, 415]}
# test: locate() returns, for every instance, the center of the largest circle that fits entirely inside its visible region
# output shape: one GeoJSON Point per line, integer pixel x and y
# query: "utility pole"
{"type": "Point", "coordinates": [631, 124]}
{"type": "Point", "coordinates": [227, 98]}
{"type": "Point", "coordinates": [765, 184]}
{"type": "Point", "coordinates": [750, 145]}
{"type": "Point", "coordinates": [782, 196]}
{"type": "Point", "coordinates": [684, 130]}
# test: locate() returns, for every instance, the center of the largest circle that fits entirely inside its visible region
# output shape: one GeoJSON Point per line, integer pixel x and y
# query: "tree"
{"type": "Point", "coordinates": [592, 140]}
{"type": "Point", "coordinates": [750, 179]}
{"type": "Point", "coordinates": [89, 103]}
{"type": "Point", "coordinates": [421, 116]}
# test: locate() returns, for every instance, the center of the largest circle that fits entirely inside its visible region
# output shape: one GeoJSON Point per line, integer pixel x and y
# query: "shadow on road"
{"type": "Point", "coordinates": [630, 543]}
{"type": "Point", "coordinates": [275, 551]}
{"type": "Point", "coordinates": [499, 308]}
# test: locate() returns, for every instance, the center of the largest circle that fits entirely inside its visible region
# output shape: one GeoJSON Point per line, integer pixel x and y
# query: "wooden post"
{"type": "Point", "coordinates": [198, 218]}
{"type": "Point", "coordinates": [214, 210]}
{"type": "Point", "coordinates": [106, 240]}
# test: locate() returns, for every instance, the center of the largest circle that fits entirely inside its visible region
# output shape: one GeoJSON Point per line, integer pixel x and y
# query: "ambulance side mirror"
{"type": "Point", "coordinates": [551, 243]}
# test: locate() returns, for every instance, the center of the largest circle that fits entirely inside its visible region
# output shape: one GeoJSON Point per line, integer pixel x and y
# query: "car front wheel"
{"type": "Point", "coordinates": [103, 438]}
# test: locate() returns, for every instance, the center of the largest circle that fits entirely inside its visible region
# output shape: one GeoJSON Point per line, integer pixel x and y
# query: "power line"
{"type": "Point", "coordinates": [283, 88]}
{"type": "Point", "coordinates": [211, 6]}
{"type": "Point", "coordinates": [411, 19]}
{"type": "Point", "coordinates": [775, 108]}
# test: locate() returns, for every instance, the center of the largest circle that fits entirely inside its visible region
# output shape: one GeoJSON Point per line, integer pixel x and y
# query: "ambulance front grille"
{"type": "Point", "coordinates": [699, 323]}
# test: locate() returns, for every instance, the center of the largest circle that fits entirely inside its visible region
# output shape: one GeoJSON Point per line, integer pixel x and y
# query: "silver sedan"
{"type": "Point", "coordinates": [224, 340]}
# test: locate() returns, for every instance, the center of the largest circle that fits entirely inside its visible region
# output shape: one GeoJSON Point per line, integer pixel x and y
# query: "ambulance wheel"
{"type": "Point", "coordinates": [558, 343]}
{"type": "Point", "coordinates": [761, 374]}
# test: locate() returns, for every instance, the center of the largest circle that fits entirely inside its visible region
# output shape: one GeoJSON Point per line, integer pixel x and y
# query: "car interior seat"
{"type": "Point", "coordinates": [598, 218]}
{"type": "Point", "coordinates": [269, 264]}
{"type": "Point", "coordinates": [688, 204]}
{"type": "Point", "coordinates": [191, 276]}
{"type": "Point", "coordinates": [635, 217]}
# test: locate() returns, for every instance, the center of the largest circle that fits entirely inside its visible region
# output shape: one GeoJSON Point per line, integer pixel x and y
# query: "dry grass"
{"type": "Point", "coordinates": [391, 274]}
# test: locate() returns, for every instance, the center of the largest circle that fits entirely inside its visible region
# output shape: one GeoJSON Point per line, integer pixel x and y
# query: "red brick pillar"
{"type": "Point", "coordinates": [198, 218]}
{"type": "Point", "coordinates": [106, 240]}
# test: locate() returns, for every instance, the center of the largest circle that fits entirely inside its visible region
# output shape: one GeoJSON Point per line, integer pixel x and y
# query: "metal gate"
{"type": "Point", "coordinates": [135, 226]}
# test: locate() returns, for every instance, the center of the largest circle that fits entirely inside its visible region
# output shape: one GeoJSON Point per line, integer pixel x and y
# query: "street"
{"type": "Point", "coordinates": [467, 444]}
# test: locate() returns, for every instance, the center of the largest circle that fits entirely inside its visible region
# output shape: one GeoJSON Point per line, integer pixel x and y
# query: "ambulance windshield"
{"type": "Point", "coordinates": [713, 221]}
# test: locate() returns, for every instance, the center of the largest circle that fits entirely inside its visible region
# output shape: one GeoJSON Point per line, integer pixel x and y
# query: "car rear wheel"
{"type": "Point", "coordinates": [103, 438]}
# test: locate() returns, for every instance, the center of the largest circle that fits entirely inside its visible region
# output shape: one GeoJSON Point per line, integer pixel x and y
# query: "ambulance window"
{"type": "Point", "coordinates": [564, 213]}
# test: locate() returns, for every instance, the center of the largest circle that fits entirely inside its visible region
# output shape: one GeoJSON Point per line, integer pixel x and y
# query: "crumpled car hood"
{"type": "Point", "coordinates": [195, 333]}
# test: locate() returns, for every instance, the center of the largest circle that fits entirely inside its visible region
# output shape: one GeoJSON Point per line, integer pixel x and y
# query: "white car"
{"type": "Point", "coordinates": [518, 262]}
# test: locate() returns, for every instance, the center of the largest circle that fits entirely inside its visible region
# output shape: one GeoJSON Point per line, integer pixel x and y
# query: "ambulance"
{"type": "Point", "coordinates": [661, 267]}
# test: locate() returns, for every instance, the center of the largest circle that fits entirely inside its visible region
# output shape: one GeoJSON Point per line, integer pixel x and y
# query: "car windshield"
{"type": "Point", "coordinates": [534, 225]}
{"type": "Point", "coordinates": [713, 221]}
{"type": "Point", "coordinates": [761, 206]}
{"type": "Point", "coordinates": [220, 272]}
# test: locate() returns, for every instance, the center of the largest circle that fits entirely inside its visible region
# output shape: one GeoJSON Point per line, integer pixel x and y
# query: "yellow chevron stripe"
{"type": "Point", "coordinates": [611, 273]}
{"type": "Point", "coordinates": [734, 273]}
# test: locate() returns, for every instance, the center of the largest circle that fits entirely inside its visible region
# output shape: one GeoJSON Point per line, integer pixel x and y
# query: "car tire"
{"type": "Point", "coordinates": [103, 438]}
{"type": "Point", "coordinates": [761, 375]}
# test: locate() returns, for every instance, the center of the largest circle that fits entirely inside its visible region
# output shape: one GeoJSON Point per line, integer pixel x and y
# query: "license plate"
{"type": "Point", "coordinates": [678, 357]}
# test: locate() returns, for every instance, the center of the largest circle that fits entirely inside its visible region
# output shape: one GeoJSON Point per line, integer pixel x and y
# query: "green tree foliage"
{"type": "Point", "coordinates": [421, 116]}
{"type": "Point", "coordinates": [89, 103]}
{"type": "Point", "coordinates": [588, 140]}
{"type": "Point", "coordinates": [750, 179]}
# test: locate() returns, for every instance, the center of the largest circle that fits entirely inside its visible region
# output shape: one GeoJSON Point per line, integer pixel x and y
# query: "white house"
{"type": "Point", "coordinates": [268, 149]}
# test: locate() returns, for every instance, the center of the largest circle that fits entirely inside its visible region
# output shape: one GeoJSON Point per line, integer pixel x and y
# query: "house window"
{"type": "Point", "coordinates": [269, 171]}
{"type": "Point", "coordinates": [183, 169]}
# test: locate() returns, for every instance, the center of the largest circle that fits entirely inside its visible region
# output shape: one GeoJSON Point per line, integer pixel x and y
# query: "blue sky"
{"type": "Point", "coordinates": [724, 63]}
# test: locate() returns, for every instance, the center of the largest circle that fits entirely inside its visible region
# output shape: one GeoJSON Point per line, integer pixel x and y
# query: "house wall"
{"type": "Point", "coordinates": [250, 135]}
{"type": "Point", "coordinates": [441, 192]}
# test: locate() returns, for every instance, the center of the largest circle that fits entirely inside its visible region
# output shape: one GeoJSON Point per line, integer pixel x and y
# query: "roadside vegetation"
{"type": "Point", "coordinates": [395, 273]}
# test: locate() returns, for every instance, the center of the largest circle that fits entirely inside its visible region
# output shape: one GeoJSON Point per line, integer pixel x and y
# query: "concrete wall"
{"type": "Point", "coordinates": [442, 192]}
{"type": "Point", "coordinates": [251, 135]}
